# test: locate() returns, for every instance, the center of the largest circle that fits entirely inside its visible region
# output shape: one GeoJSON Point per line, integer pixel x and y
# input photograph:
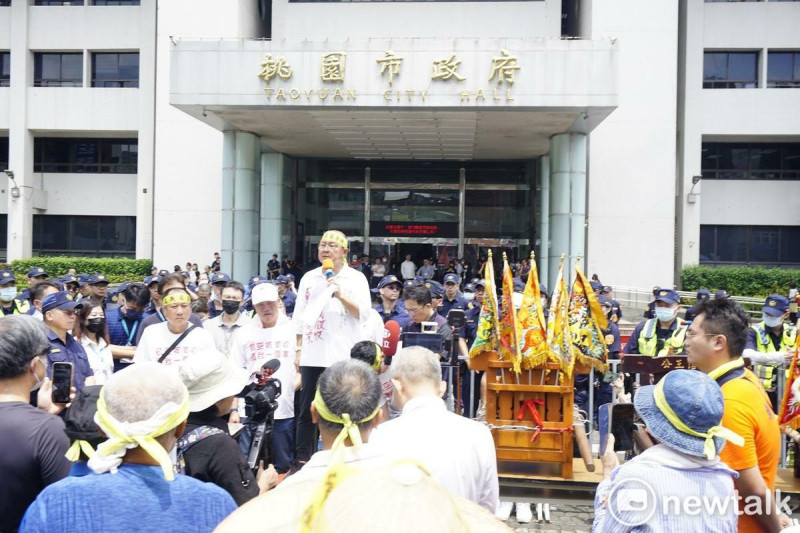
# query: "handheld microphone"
{"type": "Point", "coordinates": [327, 268]}
{"type": "Point", "coordinates": [391, 336]}
{"type": "Point", "coordinates": [270, 367]}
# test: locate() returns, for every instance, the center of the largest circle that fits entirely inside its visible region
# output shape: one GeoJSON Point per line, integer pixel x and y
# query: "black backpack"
{"type": "Point", "coordinates": [79, 418]}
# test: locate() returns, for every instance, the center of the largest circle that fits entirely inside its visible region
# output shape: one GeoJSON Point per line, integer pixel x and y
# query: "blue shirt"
{"type": "Point", "coordinates": [122, 330]}
{"type": "Point", "coordinates": [459, 302]}
{"type": "Point", "coordinates": [136, 498]}
{"type": "Point", "coordinates": [69, 352]}
{"type": "Point", "coordinates": [473, 317]}
{"type": "Point", "coordinates": [398, 314]}
{"type": "Point", "coordinates": [288, 302]}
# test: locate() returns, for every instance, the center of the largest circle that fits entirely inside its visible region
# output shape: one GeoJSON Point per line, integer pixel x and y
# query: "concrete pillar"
{"type": "Point", "coordinates": [275, 218]}
{"type": "Point", "coordinates": [20, 140]}
{"type": "Point", "coordinates": [240, 204]}
{"type": "Point", "coordinates": [567, 201]}
{"type": "Point", "coordinates": [542, 260]}
{"type": "Point", "coordinates": [145, 192]}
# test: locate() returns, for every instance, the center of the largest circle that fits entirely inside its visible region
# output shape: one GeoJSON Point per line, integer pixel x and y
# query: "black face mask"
{"type": "Point", "coordinates": [230, 306]}
{"type": "Point", "coordinates": [96, 325]}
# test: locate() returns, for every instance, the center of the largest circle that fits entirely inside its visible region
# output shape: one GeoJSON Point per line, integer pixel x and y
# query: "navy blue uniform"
{"type": "Point", "coordinates": [69, 352]}
{"type": "Point", "coordinates": [459, 302]}
{"type": "Point", "coordinates": [650, 312]}
{"type": "Point", "coordinates": [398, 314]}
{"type": "Point", "coordinates": [616, 311]}
{"type": "Point", "coordinates": [661, 334]}
{"type": "Point", "coordinates": [289, 298]}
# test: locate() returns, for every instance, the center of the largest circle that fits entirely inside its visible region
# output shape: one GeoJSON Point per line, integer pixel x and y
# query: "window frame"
{"type": "Point", "coordinates": [783, 173]}
{"type": "Point", "coordinates": [118, 82]}
{"type": "Point", "coordinates": [38, 67]}
{"type": "Point", "coordinates": [784, 238]}
{"type": "Point", "coordinates": [67, 224]}
{"type": "Point", "coordinates": [729, 83]}
{"type": "Point", "coordinates": [794, 82]}
{"type": "Point", "coordinates": [102, 150]}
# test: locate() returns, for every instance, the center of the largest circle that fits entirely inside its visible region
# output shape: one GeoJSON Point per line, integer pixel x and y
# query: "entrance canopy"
{"type": "Point", "coordinates": [401, 98]}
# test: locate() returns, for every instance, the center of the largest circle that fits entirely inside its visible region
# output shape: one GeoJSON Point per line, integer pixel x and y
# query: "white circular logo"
{"type": "Point", "coordinates": [632, 503]}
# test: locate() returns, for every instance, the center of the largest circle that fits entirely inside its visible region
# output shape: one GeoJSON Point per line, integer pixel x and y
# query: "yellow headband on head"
{"type": "Point", "coordinates": [335, 236]}
{"type": "Point", "coordinates": [709, 448]}
{"type": "Point", "coordinates": [376, 365]}
{"type": "Point", "coordinates": [176, 298]}
{"type": "Point", "coordinates": [123, 436]}
{"type": "Point", "coordinates": [350, 428]}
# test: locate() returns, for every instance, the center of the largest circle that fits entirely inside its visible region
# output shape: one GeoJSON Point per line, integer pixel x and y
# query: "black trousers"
{"type": "Point", "coordinates": [307, 436]}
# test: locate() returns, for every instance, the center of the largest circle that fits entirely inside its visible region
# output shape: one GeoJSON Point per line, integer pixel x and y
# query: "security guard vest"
{"type": "Point", "coordinates": [648, 341]}
{"type": "Point", "coordinates": [766, 373]}
{"type": "Point", "coordinates": [21, 307]}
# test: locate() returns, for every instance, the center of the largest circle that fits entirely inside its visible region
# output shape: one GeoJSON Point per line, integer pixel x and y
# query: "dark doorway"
{"type": "Point", "coordinates": [418, 252]}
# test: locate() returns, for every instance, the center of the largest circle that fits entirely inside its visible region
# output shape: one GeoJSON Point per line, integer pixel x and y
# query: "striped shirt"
{"type": "Point", "coordinates": [663, 490]}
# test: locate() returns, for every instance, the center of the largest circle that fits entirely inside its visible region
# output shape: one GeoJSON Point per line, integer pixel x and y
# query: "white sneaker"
{"type": "Point", "coordinates": [524, 514]}
{"type": "Point", "coordinates": [503, 511]}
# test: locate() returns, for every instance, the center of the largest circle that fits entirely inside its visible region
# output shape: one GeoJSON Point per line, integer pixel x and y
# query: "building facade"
{"type": "Point", "coordinates": [431, 128]}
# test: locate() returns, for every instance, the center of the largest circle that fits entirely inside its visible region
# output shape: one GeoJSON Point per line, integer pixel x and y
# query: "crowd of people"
{"type": "Point", "coordinates": [159, 366]}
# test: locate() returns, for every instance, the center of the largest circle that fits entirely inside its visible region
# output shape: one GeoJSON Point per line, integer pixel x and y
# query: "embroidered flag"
{"type": "Point", "coordinates": [487, 334]}
{"type": "Point", "coordinates": [533, 331]}
{"type": "Point", "coordinates": [509, 327]}
{"type": "Point", "coordinates": [558, 334]}
{"type": "Point", "coordinates": [586, 323]}
{"type": "Point", "coordinates": [790, 405]}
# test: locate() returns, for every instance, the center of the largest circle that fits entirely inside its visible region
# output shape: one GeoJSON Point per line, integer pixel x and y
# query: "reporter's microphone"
{"type": "Point", "coordinates": [391, 336]}
{"type": "Point", "coordinates": [327, 268]}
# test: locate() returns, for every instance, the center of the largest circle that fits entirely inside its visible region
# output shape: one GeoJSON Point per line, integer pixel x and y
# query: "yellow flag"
{"type": "Point", "coordinates": [558, 336]}
{"type": "Point", "coordinates": [487, 335]}
{"type": "Point", "coordinates": [509, 327]}
{"type": "Point", "coordinates": [586, 323]}
{"type": "Point", "coordinates": [533, 331]}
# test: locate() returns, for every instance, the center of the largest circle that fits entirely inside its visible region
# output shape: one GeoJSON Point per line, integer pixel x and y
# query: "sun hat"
{"type": "Point", "coordinates": [684, 411]}
{"type": "Point", "coordinates": [210, 377]}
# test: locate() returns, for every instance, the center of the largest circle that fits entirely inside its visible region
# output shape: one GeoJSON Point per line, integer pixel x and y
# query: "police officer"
{"type": "Point", "coordinates": [152, 285]}
{"type": "Point", "coordinates": [474, 310]}
{"type": "Point", "coordinates": [663, 335]}
{"type": "Point", "coordinates": [616, 309]}
{"type": "Point", "coordinates": [70, 282]}
{"type": "Point", "coordinates": [83, 287]}
{"type": "Point", "coordinates": [650, 310]}
{"type": "Point", "coordinates": [770, 343]}
{"type": "Point", "coordinates": [452, 297]}
{"type": "Point", "coordinates": [98, 289]}
{"type": "Point", "coordinates": [218, 281]}
{"type": "Point", "coordinates": [437, 293]}
{"type": "Point", "coordinates": [702, 295]}
{"type": "Point", "coordinates": [390, 305]}
{"type": "Point", "coordinates": [602, 386]}
{"type": "Point", "coordinates": [287, 297]}
{"type": "Point", "coordinates": [35, 275]}
{"type": "Point", "coordinates": [9, 303]}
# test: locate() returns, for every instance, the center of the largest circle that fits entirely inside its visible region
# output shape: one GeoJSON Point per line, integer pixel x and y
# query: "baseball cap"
{"type": "Point", "coordinates": [255, 280]}
{"type": "Point", "coordinates": [220, 277]}
{"type": "Point", "coordinates": [151, 279]}
{"type": "Point", "coordinates": [283, 279]}
{"type": "Point", "coordinates": [410, 283]}
{"type": "Point", "coordinates": [388, 280]}
{"type": "Point", "coordinates": [6, 276]}
{"type": "Point", "coordinates": [452, 278]}
{"type": "Point", "coordinates": [162, 273]}
{"type": "Point", "coordinates": [59, 300]}
{"type": "Point", "coordinates": [469, 287]}
{"type": "Point", "coordinates": [37, 272]}
{"type": "Point", "coordinates": [703, 294]}
{"type": "Point", "coordinates": [97, 279]}
{"type": "Point", "coordinates": [83, 279]}
{"type": "Point", "coordinates": [437, 291]}
{"type": "Point", "coordinates": [721, 294]}
{"type": "Point", "coordinates": [608, 288]}
{"type": "Point", "coordinates": [264, 292]}
{"type": "Point", "coordinates": [667, 296]}
{"type": "Point", "coordinates": [69, 278]}
{"type": "Point", "coordinates": [775, 305]}
{"type": "Point", "coordinates": [479, 282]}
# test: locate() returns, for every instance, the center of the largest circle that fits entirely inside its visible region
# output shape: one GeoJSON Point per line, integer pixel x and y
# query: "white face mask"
{"type": "Point", "coordinates": [772, 321]}
{"type": "Point", "coordinates": [39, 380]}
{"type": "Point", "coordinates": [469, 296]}
{"type": "Point", "coordinates": [8, 293]}
{"type": "Point", "coordinates": [665, 314]}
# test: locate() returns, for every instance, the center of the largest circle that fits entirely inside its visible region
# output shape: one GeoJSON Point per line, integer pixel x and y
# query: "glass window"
{"type": "Point", "coordinates": [732, 243]}
{"type": "Point", "coordinates": [790, 251]}
{"type": "Point", "coordinates": [104, 156]}
{"type": "Point", "coordinates": [84, 235]}
{"type": "Point", "coordinates": [764, 244]}
{"type": "Point", "coordinates": [3, 153]}
{"type": "Point", "coordinates": [5, 3]}
{"type": "Point", "coordinates": [3, 234]}
{"type": "Point", "coordinates": [414, 206]}
{"type": "Point", "coordinates": [730, 70]}
{"type": "Point", "coordinates": [58, 3]}
{"type": "Point", "coordinates": [783, 69]}
{"type": "Point", "coordinates": [497, 214]}
{"type": "Point", "coordinates": [115, 2]}
{"type": "Point", "coordinates": [708, 244]}
{"type": "Point", "coordinates": [761, 161]}
{"type": "Point", "coordinates": [5, 69]}
{"type": "Point", "coordinates": [115, 69]}
{"type": "Point", "coordinates": [55, 69]}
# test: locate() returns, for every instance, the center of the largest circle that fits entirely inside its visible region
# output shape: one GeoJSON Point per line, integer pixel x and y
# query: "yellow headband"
{"type": "Point", "coordinates": [74, 452]}
{"type": "Point", "coordinates": [709, 448]}
{"type": "Point", "coordinates": [176, 298]}
{"type": "Point", "coordinates": [124, 435]}
{"type": "Point", "coordinates": [334, 236]}
{"type": "Point", "coordinates": [350, 428]}
{"type": "Point", "coordinates": [376, 365]}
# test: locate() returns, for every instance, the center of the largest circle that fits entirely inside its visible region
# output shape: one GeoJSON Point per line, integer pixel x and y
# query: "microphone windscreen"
{"type": "Point", "coordinates": [391, 336]}
{"type": "Point", "coordinates": [272, 364]}
{"type": "Point", "coordinates": [327, 264]}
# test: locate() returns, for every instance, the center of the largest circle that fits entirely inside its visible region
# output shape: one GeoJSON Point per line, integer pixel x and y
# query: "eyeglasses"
{"type": "Point", "coordinates": [329, 246]}
{"type": "Point", "coordinates": [692, 334]}
{"type": "Point", "coordinates": [414, 311]}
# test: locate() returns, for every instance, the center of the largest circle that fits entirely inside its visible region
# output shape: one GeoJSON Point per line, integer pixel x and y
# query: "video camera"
{"type": "Point", "coordinates": [260, 404]}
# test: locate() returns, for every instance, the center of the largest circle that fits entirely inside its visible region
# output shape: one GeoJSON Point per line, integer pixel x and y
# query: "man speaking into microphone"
{"type": "Point", "coordinates": [332, 301]}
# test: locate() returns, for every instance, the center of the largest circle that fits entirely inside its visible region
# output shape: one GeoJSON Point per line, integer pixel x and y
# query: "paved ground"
{"type": "Point", "coordinates": [563, 518]}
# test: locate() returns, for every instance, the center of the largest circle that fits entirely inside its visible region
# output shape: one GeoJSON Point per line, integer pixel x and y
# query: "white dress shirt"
{"type": "Point", "coordinates": [408, 269]}
{"type": "Point", "coordinates": [223, 333]}
{"type": "Point", "coordinates": [458, 452]}
{"type": "Point", "coordinates": [328, 329]}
